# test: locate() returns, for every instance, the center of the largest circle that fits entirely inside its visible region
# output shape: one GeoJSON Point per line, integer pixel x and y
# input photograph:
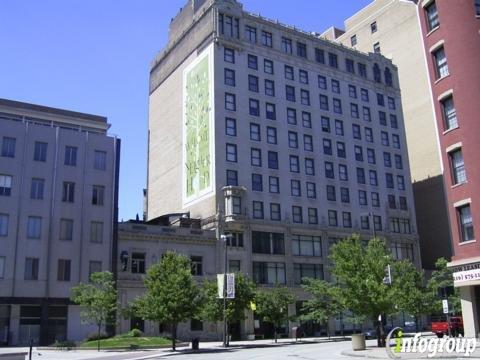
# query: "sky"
{"type": "Point", "coordinates": [94, 56]}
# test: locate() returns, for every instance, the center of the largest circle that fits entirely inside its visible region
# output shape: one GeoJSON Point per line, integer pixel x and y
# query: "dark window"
{"type": "Point", "coordinates": [304, 97]}
{"type": "Point", "coordinates": [311, 190]}
{"type": "Point", "coordinates": [291, 116]}
{"type": "Point", "coordinates": [68, 193]}
{"type": "Point", "coordinates": [252, 62]}
{"type": "Point", "coordinates": [266, 38]}
{"type": "Point", "coordinates": [432, 16]}
{"type": "Point", "coordinates": [269, 87]}
{"type": "Point", "coordinates": [271, 135]}
{"type": "Point", "coordinates": [458, 167]}
{"type": "Point", "coordinates": [230, 127]}
{"type": "Point", "coordinates": [352, 91]}
{"type": "Point", "coordinates": [290, 93]}
{"type": "Point", "coordinates": [31, 268]}
{"type": "Point", "coordinates": [253, 83]}
{"type": "Point", "coordinates": [344, 195]}
{"type": "Point", "coordinates": [362, 197]}
{"type": "Point", "coordinates": [36, 190]}
{"type": "Point", "coordinates": [327, 147]}
{"type": "Point", "coordinates": [449, 113]}
{"type": "Point", "coordinates": [272, 160]}
{"type": "Point", "coordinates": [230, 102]}
{"type": "Point", "coordinates": [138, 263]}
{"type": "Point", "coordinates": [250, 34]}
{"type": "Point", "coordinates": [229, 55]}
{"type": "Point", "coordinates": [333, 60]}
{"type": "Point", "coordinates": [353, 40]}
{"type": "Point", "coordinates": [323, 102]}
{"type": "Point", "coordinates": [275, 212]}
{"type": "Point", "coordinates": [332, 218]}
{"type": "Point", "coordinates": [466, 223]}
{"type": "Point", "coordinates": [257, 182]}
{"type": "Point", "coordinates": [63, 270]}
{"type": "Point", "coordinates": [70, 156]}
{"type": "Point", "coordinates": [231, 152]}
{"type": "Point", "coordinates": [289, 73]}
{"type": "Point", "coordinates": [322, 82]}
{"type": "Point", "coordinates": [295, 188]}
{"type": "Point", "coordinates": [8, 147]}
{"type": "Point", "coordinates": [297, 214]}
{"type": "Point", "coordinates": [196, 263]}
{"type": "Point", "coordinates": [294, 164]}
{"type": "Point", "coordinates": [319, 56]}
{"type": "Point", "coordinates": [303, 76]}
{"type": "Point", "coordinates": [350, 66]}
{"type": "Point", "coordinates": [232, 178]}
{"type": "Point", "coordinates": [377, 76]}
{"type": "Point", "coordinates": [301, 49]}
{"type": "Point", "coordinates": [329, 172]}
{"type": "Point", "coordinates": [306, 119]}
{"type": "Point", "coordinates": [360, 175]}
{"type": "Point", "coordinates": [335, 86]}
{"type": "Point", "coordinates": [273, 184]}
{"type": "Point", "coordinates": [373, 27]}
{"type": "Point", "coordinates": [362, 70]}
{"type": "Point", "coordinates": [347, 219]}
{"type": "Point", "coordinates": [441, 65]}
{"type": "Point", "coordinates": [312, 216]}
{"type": "Point", "coordinates": [287, 45]}
{"type": "Point", "coordinates": [331, 193]}
{"type": "Point", "coordinates": [40, 153]}
{"type": "Point", "coordinates": [325, 124]}
{"type": "Point", "coordinates": [388, 77]}
{"type": "Point", "coordinates": [229, 77]}
{"type": "Point", "coordinates": [254, 107]}
{"type": "Point", "coordinates": [268, 66]}
{"type": "Point", "coordinates": [256, 157]}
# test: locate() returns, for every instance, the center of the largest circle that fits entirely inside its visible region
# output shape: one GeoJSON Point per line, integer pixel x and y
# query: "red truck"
{"type": "Point", "coordinates": [442, 327]}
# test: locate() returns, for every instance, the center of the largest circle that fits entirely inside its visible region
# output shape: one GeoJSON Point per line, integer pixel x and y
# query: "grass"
{"type": "Point", "coordinates": [126, 340]}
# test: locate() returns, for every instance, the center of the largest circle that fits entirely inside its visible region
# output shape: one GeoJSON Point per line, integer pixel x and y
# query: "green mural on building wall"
{"type": "Point", "coordinates": [197, 129]}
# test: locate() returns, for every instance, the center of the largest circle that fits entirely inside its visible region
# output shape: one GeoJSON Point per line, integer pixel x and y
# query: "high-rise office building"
{"type": "Point", "coordinates": [58, 216]}
{"type": "Point", "coordinates": [284, 139]}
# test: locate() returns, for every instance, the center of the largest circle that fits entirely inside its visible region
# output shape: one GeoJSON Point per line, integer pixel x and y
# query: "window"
{"type": "Point", "coordinates": [292, 139]}
{"type": "Point", "coordinates": [389, 180]}
{"type": "Point", "coordinates": [344, 195]}
{"type": "Point", "coordinates": [384, 136]}
{"type": "Point", "coordinates": [68, 193]}
{"type": "Point", "coordinates": [36, 190]}
{"type": "Point", "coordinates": [273, 184]}
{"type": "Point", "coordinates": [266, 38]}
{"type": "Point", "coordinates": [376, 50]}
{"type": "Point", "coordinates": [333, 60]}
{"type": "Point", "coordinates": [339, 127]}
{"type": "Point", "coordinates": [93, 267]}
{"type": "Point", "coordinates": [311, 190]}
{"type": "Point", "coordinates": [396, 141]}
{"type": "Point", "coordinates": [272, 160]}
{"type": "Point", "coordinates": [375, 199]}
{"type": "Point", "coordinates": [275, 213]}
{"type": "Point", "coordinates": [305, 245]}
{"type": "Point", "coordinates": [268, 66]}
{"type": "Point", "coordinates": [290, 93]}
{"type": "Point", "coordinates": [398, 162]}
{"type": "Point", "coordinates": [291, 116]}
{"type": "Point", "coordinates": [312, 216]}
{"type": "Point", "coordinates": [369, 134]}
{"type": "Point", "coordinates": [373, 177]}
{"type": "Point", "coordinates": [63, 270]}
{"type": "Point", "coordinates": [297, 214]}
{"type": "Point", "coordinates": [353, 110]}
{"type": "Point", "coordinates": [362, 70]}
{"type": "Point", "coordinates": [373, 27]}
{"type": "Point", "coordinates": [98, 194]}
{"type": "Point", "coordinates": [269, 88]}
{"type": "Point", "coordinates": [337, 106]}
{"type": "Point", "coordinates": [268, 273]}
{"type": "Point", "coordinates": [458, 167]}
{"type": "Point", "coordinates": [2, 267]}
{"type": "Point", "coordinates": [352, 91]}
{"type": "Point", "coordinates": [388, 77]}
{"type": "Point", "coordinates": [441, 65]}
{"type": "Point", "coordinates": [371, 156]}
{"type": "Point", "coordinates": [66, 229]}
{"type": "Point", "coordinates": [332, 218]}
{"type": "Point", "coordinates": [8, 147]}
{"type": "Point", "coordinates": [360, 175]}
{"type": "Point", "coordinates": [309, 167]}
{"type": "Point", "coordinates": [257, 182]}
{"type": "Point", "coordinates": [295, 188]}
{"type": "Point", "coordinates": [289, 73]}
{"type": "Point", "coordinates": [382, 117]}
{"type": "Point", "coordinates": [4, 224]}
{"type": "Point", "coordinates": [327, 146]}
{"type": "Point", "coordinates": [362, 197]}
{"type": "Point", "coordinates": [40, 152]}
{"type": "Point", "coordinates": [347, 219]}
{"type": "Point", "coordinates": [313, 271]}
{"type": "Point", "coordinates": [319, 56]}
{"type": "Point", "coordinates": [236, 205]}
{"type": "Point", "coordinates": [353, 40]}
{"type": "Point", "coordinates": [294, 164]}
{"type": "Point", "coordinates": [267, 243]}
{"type": "Point", "coordinates": [329, 173]}
{"type": "Point", "coordinates": [100, 160]}
{"type": "Point", "coordinates": [31, 268]}
{"type": "Point", "coordinates": [323, 102]}
{"type": "Point", "coordinates": [229, 55]}
{"type": "Point", "coordinates": [335, 86]}
{"type": "Point", "coordinates": [236, 239]}
{"type": "Point", "coordinates": [400, 182]}
{"type": "Point", "coordinates": [307, 142]}
{"type": "Point", "coordinates": [380, 99]}
{"type": "Point", "coordinates": [449, 113]}
{"type": "Point", "coordinates": [255, 132]}
{"type": "Point", "coordinates": [377, 222]}
{"type": "Point", "coordinates": [331, 193]}
{"type": "Point", "coordinates": [301, 49]}
{"type": "Point", "coordinates": [231, 152]}
{"type": "Point", "coordinates": [393, 121]}
{"type": "Point", "coordinates": [256, 157]}
{"type": "Point", "coordinates": [365, 222]}
{"type": "Point", "coordinates": [364, 95]}
{"type": "Point", "coordinates": [466, 223]}
{"type": "Point", "coordinates": [270, 112]}
{"type": "Point", "coordinates": [432, 16]}
{"type": "Point", "coordinates": [287, 45]}
{"type": "Point", "coordinates": [252, 83]}
{"type": "Point", "coordinates": [230, 127]}
{"type": "Point", "coordinates": [306, 119]}
{"type": "Point", "coordinates": [391, 103]}
{"type": "Point", "coordinates": [5, 185]}
{"type": "Point", "coordinates": [304, 97]}
{"type": "Point", "coordinates": [303, 76]}
{"type": "Point", "coordinates": [34, 227]}
{"type": "Point", "coordinates": [196, 264]}
{"type": "Point", "coordinates": [252, 61]}
{"type": "Point", "coordinates": [229, 77]}
{"type": "Point", "coordinates": [230, 102]}
{"type": "Point", "coordinates": [271, 135]}
{"type": "Point", "coordinates": [366, 114]}
{"type": "Point", "coordinates": [403, 202]}
{"type": "Point", "coordinates": [96, 232]}
{"type": "Point", "coordinates": [232, 178]}
{"type": "Point", "coordinates": [350, 66]}
{"type": "Point", "coordinates": [342, 172]}
{"type": "Point", "coordinates": [392, 204]}
{"type": "Point", "coordinates": [70, 156]}
{"type": "Point", "coordinates": [250, 34]}
{"type": "Point", "coordinates": [322, 82]}
{"type": "Point", "coordinates": [477, 7]}
{"type": "Point", "coordinates": [228, 25]}
{"type": "Point", "coordinates": [377, 76]}
{"type": "Point", "coordinates": [254, 107]}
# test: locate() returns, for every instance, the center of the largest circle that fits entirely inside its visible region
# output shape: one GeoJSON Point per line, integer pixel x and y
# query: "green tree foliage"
{"type": "Point", "coordinates": [170, 293]}
{"type": "Point", "coordinates": [442, 278]}
{"type": "Point", "coordinates": [98, 300]}
{"type": "Point", "coordinates": [325, 302]}
{"type": "Point", "coordinates": [272, 306]}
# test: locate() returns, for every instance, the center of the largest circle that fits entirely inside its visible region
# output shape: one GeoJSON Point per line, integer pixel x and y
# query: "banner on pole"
{"type": "Point", "coordinates": [230, 285]}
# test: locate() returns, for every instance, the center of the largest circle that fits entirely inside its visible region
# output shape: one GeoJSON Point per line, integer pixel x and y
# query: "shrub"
{"type": "Point", "coordinates": [135, 333]}
{"type": "Point", "coordinates": [134, 346]}
{"type": "Point", "coordinates": [65, 344]}
{"type": "Point", "coordinates": [96, 336]}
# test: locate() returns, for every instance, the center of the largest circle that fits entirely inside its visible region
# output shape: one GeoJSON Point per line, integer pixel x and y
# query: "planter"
{"type": "Point", "coordinates": [358, 342]}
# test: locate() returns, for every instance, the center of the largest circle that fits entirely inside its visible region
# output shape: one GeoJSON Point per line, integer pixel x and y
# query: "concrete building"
{"type": "Point", "coordinates": [391, 27]}
{"type": "Point", "coordinates": [450, 32]}
{"type": "Point", "coordinates": [280, 137]}
{"type": "Point", "coordinates": [58, 215]}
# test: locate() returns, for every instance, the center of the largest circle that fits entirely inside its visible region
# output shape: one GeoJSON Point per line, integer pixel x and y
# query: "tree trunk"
{"type": "Point", "coordinates": [98, 336]}
{"type": "Point", "coordinates": [276, 335]}
{"type": "Point", "coordinates": [174, 336]}
{"type": "Point", "coordinates": [416, 323]}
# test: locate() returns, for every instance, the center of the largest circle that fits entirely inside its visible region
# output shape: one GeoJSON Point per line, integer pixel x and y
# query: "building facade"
{"type": "Point", "coordinates": [451, 43]}
{"type": "Point", "coordinates": [391, 27]}
{"type": "Point", "coordinates": [284, 139]}
{"type": "Point", "coordinates": [58, 215]}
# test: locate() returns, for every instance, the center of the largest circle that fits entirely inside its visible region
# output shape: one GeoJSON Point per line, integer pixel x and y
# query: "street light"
{"type": "Point", "coordinates": [225, 325]}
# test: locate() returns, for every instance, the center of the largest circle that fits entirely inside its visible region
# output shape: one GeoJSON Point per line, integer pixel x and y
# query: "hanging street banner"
{"type": "Point", "coordinates": [230, 285]}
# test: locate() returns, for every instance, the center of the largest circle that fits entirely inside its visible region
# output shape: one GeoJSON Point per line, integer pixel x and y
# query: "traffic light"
{"type": "Point", "coordinates": [387, 280]}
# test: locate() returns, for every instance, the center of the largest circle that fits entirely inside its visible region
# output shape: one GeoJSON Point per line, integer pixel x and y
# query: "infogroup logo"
{"type": "Point", "coordinates": [405, 347]}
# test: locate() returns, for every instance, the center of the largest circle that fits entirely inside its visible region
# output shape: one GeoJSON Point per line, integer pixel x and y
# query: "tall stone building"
{"type": "Point", "coordinates": [284, 139]}
{"type": "Point", "coordinates": [58, 216]}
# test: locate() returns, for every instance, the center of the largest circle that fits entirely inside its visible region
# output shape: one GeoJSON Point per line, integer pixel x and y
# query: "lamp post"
{"type": "Point", "coordinates": [370, 215]}
{"type": "Point", "coordinates": [225, 324]}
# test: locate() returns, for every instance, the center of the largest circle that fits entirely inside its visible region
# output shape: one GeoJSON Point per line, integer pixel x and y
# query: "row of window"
{"type": "Point", "coordinates": [40, 153]}
{"type": "Point", "coordinates": [272, 273]}
{"type": "Point", "coordinates": [34, 228]}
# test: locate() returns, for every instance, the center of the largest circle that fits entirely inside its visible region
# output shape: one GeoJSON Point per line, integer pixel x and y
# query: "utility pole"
{"type": "Point", "coordinates": [225, 323]}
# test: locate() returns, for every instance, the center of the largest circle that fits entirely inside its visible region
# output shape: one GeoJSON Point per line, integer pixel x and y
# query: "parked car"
{"type": "Point", "coordinates": [372, 333]}
{"type": "Point", "coordinates": [442, 327]}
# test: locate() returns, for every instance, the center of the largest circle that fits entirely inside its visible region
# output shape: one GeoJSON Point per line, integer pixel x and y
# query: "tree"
{"type": "Point", "coordinates": [272, 306]}
{"type": "Point", "coordinates": [98, 300]}
{"type": "Point", "coordinates": [212, 306]}
{"type": "Point", "coordinates": [325, 302]}
{"type": "Point", "coordinates": [170, 293]}
{"type": "Point", "coordinates": [441, 279]}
